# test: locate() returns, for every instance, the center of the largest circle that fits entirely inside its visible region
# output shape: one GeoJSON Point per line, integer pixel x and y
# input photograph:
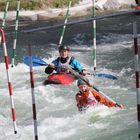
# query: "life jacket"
{"type": "Point", "coordinates": [91, 99]}
{"type": "Point", "coordinates": [87, 98]}
{"type": "Point", "coordinates": [62, 67]}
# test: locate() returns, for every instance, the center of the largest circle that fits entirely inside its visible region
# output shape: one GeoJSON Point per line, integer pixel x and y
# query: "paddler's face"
{"type": "Point", "coordinates": [64, 53]}
{"type": "Point", "coordinates": [83, 88]}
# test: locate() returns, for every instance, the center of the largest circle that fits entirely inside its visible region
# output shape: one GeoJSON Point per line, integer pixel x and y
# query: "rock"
{"type": "Point", "coordinates": [28, 18]}
{"type": "Point", "coordinates": [82, 9]}
{"type": "Point", "coordinates": [111, 4]}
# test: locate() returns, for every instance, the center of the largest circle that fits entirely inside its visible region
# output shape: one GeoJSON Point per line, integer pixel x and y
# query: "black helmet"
{"type": "Point", "coordinates": [63, 48]}
{"type": "Point", "coordinates": [81, 82]}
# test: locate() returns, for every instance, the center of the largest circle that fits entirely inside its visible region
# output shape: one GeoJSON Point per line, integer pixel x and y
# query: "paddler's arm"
{"type": "Point", "coordinates": [77, 66]}
{"type": "Point", "coordinates": [78, 99]}
{"type": "Point", "coordinates": [51, 67]}
{"type": "Point", "coordinates": [105, 101]}
{"type": "Point", "coordinates": [110, 103]}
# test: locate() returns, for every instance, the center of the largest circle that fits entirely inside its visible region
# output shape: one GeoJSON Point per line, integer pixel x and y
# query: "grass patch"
{"type": "Point", "coordinates": [36, 4]}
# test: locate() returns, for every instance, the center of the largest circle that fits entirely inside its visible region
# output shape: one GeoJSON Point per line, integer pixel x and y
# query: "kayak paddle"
{"type": "Point", "coordinates": [36, 61]}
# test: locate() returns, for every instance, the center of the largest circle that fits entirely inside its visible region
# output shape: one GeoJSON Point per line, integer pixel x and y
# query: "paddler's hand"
{"type": "Point", "coordinates": [120, 106]}
{"type": "Point", "coordinates": [84, 72]}
{"type": "Point", "coordinates": [51, 65]}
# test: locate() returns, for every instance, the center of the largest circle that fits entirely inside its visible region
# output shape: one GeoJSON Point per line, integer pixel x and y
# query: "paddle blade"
{"type": "Point", "coordinates": [36, 61]}
{"type": "Point", "coordinates": [104, 75]}
{"type": "Point", "coordinates": [63, 79]}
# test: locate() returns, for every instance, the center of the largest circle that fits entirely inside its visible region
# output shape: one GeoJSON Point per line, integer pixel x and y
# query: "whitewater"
{"type": "Point", "coordinates": [57, 115]}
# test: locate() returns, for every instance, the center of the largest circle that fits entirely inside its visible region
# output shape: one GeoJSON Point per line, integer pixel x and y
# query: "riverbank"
{"type": "Point", "coordinates": [84, 8]}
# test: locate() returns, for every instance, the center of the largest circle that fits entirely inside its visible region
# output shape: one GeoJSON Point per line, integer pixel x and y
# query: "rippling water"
{"type": "Point", "coordinates": [57, 115]}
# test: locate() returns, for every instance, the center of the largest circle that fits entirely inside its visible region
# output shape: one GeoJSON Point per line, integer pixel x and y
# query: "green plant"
{"type": "Point", "coordinates": [62, 3]}
{"type": "Point", "coordinates": [36, 4]}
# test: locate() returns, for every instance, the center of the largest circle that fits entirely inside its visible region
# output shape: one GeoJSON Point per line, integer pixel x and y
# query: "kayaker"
{"type": "Point", "coordinates": [60, 64]}
{"type": "Point", "coordinates": [87, 96]}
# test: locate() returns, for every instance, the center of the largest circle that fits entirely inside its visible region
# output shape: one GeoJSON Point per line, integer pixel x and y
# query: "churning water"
{"type": "Point", "coordinates": [57, 114]}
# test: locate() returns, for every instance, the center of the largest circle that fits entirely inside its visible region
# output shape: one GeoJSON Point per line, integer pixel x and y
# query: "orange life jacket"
{"type": "Point", "coordinates": [91, 98]}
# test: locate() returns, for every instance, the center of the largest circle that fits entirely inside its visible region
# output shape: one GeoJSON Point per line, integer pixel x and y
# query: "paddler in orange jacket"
{"type": "Point", "coordinates": [87, 97]}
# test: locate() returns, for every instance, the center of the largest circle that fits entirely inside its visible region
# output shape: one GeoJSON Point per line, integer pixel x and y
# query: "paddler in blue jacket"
{"type": "Point", "coordinates": [60, 65]}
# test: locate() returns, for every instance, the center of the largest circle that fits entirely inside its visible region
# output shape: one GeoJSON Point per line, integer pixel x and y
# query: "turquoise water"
{"type": "Point", "coordinates": [57, 114]}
